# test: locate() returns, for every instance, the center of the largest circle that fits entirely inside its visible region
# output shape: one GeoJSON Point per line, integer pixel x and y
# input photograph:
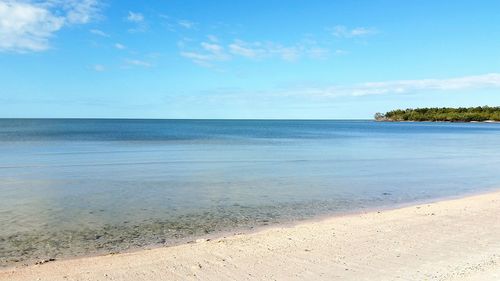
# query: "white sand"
{"type": "Point", "coordinates": [449, 240]}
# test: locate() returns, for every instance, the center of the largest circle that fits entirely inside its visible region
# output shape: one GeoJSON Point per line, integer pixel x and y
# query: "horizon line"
{"type": "Point", "coordinates": [194, 119]}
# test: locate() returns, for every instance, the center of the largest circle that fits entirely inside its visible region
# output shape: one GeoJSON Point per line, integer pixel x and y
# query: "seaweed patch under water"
{"type": "Point", "coordinates": [29, 247]}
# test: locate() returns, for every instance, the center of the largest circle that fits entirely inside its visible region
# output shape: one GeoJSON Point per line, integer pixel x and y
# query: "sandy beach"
{"type": "Point", "coordinates": [455, 239]}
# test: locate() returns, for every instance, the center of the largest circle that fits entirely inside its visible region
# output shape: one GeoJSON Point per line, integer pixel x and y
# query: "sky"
{"type": "Point", "coordinates": [261, 59]}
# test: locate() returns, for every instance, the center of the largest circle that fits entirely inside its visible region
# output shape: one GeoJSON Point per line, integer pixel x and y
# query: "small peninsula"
{"type": "Point", "coordinates": [443, 114]}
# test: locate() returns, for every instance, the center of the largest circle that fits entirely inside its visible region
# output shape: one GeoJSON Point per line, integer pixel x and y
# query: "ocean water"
{"type": "Point", "coordinates": [82, 187]}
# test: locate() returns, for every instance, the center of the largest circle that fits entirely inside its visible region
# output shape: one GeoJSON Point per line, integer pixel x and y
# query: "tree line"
{"type": "Point", "coordinates": [461, 114]}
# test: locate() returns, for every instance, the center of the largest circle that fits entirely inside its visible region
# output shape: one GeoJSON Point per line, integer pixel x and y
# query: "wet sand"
{"type": "Point", "coordinates": [449, 240]}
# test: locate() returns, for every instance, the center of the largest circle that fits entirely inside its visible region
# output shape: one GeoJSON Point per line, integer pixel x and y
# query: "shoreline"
{"type": "Point", "coordinates": [252, 229]}
{"type": "Point", "coordinates": [175, 262]}
{"type": "Point", "coordinates": [430, 121]}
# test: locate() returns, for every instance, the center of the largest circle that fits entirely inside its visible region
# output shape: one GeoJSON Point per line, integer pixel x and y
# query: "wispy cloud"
{"type": "Point", "coordinates": [345, 32]}
{"type": "Point", "coordinates": [323, 95]}
{"type": "Point", "coordinates": [260, 50]}
{"type": "Point", "coordinates": [79, 11]}
{"type": "Point", "coordinates": [249, 50]}
{"type": "Point", "coordinates": [120, 46]}
{"type": "Point", "coordinates": [212, 38]}
{"type": "Point", "coordinates": [135, 62]}
{"type": "Point", "coordinates": [186, 24]}
{"type": "Point", "coordinates": [99, 32]}
{"type": "Point", "coordinates": [138, 20]}
{"type": "Point", "coordinates": [135, 17]}
{"type": "Point", "coordinates": [177, 25]}
{"type": "Point", "coordinates": [27, 26]}
{"type": "Point", "coordinates": [211, 47]}
{"type": "Point", "coordinates": [491, 80]}
{"type": "Point", "coordinates": [99, 68]}
{"type": "Point", "coordinates": [340, 52]}
{"type": "Point", "coordinates": [208, 52]}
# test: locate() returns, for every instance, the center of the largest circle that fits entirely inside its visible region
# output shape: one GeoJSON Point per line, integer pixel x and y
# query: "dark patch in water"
{"type": "Point", "coordinates": [34, 246]}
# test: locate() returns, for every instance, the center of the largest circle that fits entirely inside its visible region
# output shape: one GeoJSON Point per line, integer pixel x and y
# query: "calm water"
{"type": "Point", "coordinates": [77, 187]}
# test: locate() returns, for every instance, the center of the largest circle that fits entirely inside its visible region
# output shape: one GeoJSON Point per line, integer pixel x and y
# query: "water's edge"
{"type": "Point", "coordinates": [245, 230]}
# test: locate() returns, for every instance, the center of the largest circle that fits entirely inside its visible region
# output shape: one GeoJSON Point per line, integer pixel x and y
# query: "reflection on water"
{"type": "Point", "coordinates": [76, 187]}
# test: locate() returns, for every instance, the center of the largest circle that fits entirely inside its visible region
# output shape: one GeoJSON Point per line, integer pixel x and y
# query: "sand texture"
{"type": "Point", "coordinates": [448, 240]}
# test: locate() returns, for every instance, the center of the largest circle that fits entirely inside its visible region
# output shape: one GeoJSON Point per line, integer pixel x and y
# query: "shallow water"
{"type": "Point", "coordinates": [78, 187]}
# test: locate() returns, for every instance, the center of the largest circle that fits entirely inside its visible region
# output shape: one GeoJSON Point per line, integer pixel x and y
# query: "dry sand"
{"type": "Point", "coordinates": [449, 240]}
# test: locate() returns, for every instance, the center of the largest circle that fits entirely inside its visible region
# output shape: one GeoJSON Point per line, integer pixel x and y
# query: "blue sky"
{"type": "Point", "coordinates": [245, 59]}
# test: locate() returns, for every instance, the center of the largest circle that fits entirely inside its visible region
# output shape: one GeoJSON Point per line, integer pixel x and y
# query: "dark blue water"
{"type": "Point", "coordinates": [77, 187]}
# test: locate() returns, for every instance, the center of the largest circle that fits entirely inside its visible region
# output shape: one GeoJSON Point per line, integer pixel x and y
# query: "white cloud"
{"type": "Point", "coordinates": [213, 51]}
{"type": "Point", "coordinates": [340, 52]}
{"type": "Point", "coordinates": [198, 58]}
{"type": "Point", "coordinates": [491, 80]}
{"type": "Point", "coordinates": [119, 46]}
{"type": "Point", "coordinates": [287, 53]}
{"type": "Point", "coordinates": [79, 11]}
{"type": "Point", "coordinates": [395, 87]}
{"type": "Point", "coordinates": [345, 32]}
{"type": "Point", "coordinates": [244, 49]}
{"type": "Point", "coordinates": [186, 24]}
{"type": "Point", "coordinates": [210, 53]}
{"type": "Point", "coordinates": [99, 68]}
{"type": "Point", "coordinates": [99, 32]}
{"type": "Point", "coordinates": [27, 26]}
{"type": "Point", "coordinates": [138, 20]}
{"type": "Point", "coordinates": [259, 50]}
{"type": "Point", "coordinates": [134, 62]}
{"type": "Point", "coordinates": [175, 24]}
{"type": "Point", "coordinates": [213, 48]}
{"type": "Point", "coordinates": [135, 17]}
{"type": "Point", "coordinates": [318, 52]}
{"type": "Point", "coordinates": [361, 31]}
{"type": "Point", "coordinates": [213, 38]}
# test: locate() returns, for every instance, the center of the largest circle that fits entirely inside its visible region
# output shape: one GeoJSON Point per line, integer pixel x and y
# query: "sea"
{"type": "Point", "coordinates": [78, 187]}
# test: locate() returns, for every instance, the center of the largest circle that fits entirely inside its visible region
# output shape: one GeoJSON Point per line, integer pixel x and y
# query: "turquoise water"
{"type": "Point", "coordinates": [79, 187]}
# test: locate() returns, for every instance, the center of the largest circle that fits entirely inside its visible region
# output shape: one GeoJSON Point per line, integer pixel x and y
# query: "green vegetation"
{"type": "Point", "coordinates": [446, 114]}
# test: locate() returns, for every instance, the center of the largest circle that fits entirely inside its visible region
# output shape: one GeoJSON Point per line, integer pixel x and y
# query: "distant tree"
{"type": "Point", "coordinates": [480, 113]}
{"type": "Point", "coordinates": [379, 116]}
